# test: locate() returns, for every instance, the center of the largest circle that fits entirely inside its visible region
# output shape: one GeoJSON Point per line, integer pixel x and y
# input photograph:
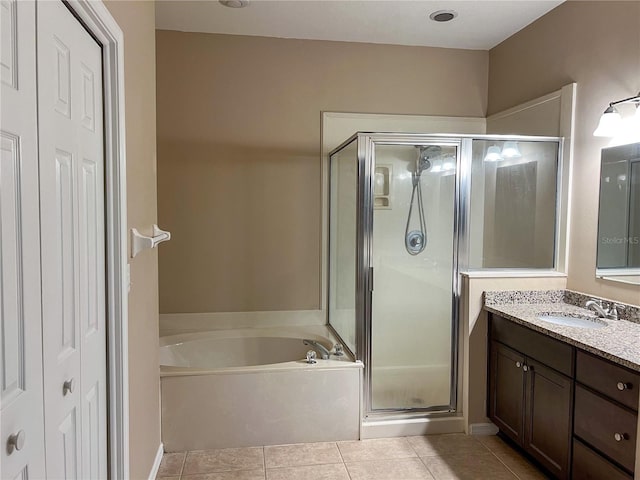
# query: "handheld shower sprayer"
{"type": "Point", "coordinates": [415, 241]}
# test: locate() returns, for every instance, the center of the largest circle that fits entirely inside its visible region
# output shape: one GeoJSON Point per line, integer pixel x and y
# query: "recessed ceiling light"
{"type": "Point", "coordinates": [234, 3]}
{"type": "Point", "coordinates": [443, 15]}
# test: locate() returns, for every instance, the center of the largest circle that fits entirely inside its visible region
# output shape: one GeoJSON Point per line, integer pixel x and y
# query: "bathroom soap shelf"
{"type": "Point", "coordinates": [382, 187]}
{"type": "Point", "coordinates": [140, 242]}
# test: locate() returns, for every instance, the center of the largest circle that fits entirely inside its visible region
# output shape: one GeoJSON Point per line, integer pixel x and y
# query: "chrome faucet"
{"type": "Point", "coordinates": [610, 312]}
{"type": "Point", "coordinates": [318, 346]}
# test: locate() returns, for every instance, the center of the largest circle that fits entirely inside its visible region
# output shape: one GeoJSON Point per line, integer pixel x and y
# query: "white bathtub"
{"type": "Point", "coordinates": [252, 387]}
{"type": "Point", "coordinates": [240, 348]}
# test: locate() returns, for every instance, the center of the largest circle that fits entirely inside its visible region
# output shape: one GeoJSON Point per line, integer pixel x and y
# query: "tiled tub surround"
{"type": "Point", "coordinates": [619, 341]}
{"type": "Point", "coordinates": [212, 404]}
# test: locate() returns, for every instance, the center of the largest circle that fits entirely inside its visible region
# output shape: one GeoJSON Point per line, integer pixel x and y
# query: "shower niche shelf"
{"type": "Point", "coordinates": [382, 187]}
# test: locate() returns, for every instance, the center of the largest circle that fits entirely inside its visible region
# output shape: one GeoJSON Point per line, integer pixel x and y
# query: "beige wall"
{"type": "Point", "coordinates": [574, 42]}
{"type": "Point", "coordinates": [137, 21]}
{"type": "Point", "coordinates": [239, 153]}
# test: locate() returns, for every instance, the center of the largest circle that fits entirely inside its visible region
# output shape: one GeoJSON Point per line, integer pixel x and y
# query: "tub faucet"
{"type": "Point", "coordinates": [610, 313]}
{"type": "Point", "coordinates": [318, 346]}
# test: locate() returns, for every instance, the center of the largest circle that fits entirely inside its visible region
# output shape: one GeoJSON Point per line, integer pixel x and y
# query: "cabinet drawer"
{"type": "Point", "coordinates": [589, 465]}
{"type": "Point", "coordinates": [551, 352]}
{"type": "Point", "coordinates": [612, 380]}
{"type": "Point", "coordinates": [597, 421]}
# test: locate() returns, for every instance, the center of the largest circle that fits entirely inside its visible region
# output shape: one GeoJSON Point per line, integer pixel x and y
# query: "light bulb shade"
{"type": "Point", "coordinates": [493, 154]}
{"type": "Point", "coordinates": [609, 124]}
{"type": "Point", "coordinates": [511, 150]}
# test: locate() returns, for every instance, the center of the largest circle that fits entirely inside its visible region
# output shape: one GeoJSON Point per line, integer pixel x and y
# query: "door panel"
{"type": "Point", "coordinates": [73, 251]}
{"type": "Point", "coordinates": [12, 291]}
{"type": "Point", "coordinates": [20, 312]}
{"type": "Point", "coordinates": [506, 391]}
{"type": "Point", "coordinates": [412, 255]}
{"type": "Point", "coordinates": [342, 242]}
{"type": "Point", "coordinates": [64, 261]}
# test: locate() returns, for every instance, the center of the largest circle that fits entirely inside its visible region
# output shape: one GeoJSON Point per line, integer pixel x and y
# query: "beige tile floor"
{"type": "Point", "coordinates": [434, 457]}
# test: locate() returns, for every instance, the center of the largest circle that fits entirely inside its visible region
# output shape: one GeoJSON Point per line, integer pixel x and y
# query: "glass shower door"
{"type": "Point", "coordinates": [413, 260]}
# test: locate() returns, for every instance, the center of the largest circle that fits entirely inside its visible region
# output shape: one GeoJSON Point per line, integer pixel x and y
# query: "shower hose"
{"type": "Point", "coordinates": [416, 240]}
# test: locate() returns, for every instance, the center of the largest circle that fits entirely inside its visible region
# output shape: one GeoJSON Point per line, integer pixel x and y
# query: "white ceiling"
{"type": "Point", "coordinates": [480, 25]}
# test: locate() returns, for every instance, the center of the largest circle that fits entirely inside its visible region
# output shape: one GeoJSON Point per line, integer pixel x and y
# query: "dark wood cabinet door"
{"type": "Point", "coordinates": [548, 428]}
{"type": "Point", "coordinates": [506, 391]}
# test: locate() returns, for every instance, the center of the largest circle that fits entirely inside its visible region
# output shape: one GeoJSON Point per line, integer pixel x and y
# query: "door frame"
{"type": "Point", "coordinates": [102, 26]}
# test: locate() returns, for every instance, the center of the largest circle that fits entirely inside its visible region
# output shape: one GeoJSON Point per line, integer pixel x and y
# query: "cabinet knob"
{"type": "Point", "coordinates": [623, 386]}
{"type": "Point", "coordinates": [525, 368]}
{"type": "Point", "coordinates": [518, 364]}
{"type": "Point", "coordinates": [68, 386]}
{"type": "Point", "coordinates": [16, 441]}
{"type": "Point", "coordinates": [620, 436]}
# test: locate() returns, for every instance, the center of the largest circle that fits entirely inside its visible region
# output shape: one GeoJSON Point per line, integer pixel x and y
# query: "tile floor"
{"type": "Point", "coordinates": [434, 457]}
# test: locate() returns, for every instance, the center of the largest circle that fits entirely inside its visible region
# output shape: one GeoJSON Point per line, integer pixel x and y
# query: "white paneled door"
{"type": "Point", "coordinates": [73, 246]}
{"type": "Point", "coordinates": [21, 408]}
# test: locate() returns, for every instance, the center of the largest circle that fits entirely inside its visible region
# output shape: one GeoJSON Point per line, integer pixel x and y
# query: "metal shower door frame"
{"type": "Point", "coordinates": [366, 143]}
{"type": "Point", "coordinates": [364, 271]}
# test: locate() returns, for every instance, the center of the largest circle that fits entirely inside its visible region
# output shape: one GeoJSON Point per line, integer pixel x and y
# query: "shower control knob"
{"type": "Point", "coordinates": [16, 441]}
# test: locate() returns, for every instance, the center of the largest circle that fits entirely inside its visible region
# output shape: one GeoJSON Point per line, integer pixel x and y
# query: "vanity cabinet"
{"type": "Point", "coordinates": [572, 411]}
{"type": "Point", "coordinates": [531, 391]}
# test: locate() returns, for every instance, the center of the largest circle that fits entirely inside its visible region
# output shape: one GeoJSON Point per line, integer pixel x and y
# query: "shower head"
{"type": "Point", "coordinates": [430, 151]}
{"type": "Point", "coordinates": [425, 154]}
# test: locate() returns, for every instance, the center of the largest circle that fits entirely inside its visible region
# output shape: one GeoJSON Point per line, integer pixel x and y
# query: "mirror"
{"type": "Point", "coordinates": [619, 214]}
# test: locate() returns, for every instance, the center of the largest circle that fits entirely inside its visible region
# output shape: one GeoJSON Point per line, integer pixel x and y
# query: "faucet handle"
{"type": "Point", "coordinates": [311, 357]}
{"type": "Point", "coordinates": [338, 350]}
{"type": "Point", "coordinates": [615, 309]}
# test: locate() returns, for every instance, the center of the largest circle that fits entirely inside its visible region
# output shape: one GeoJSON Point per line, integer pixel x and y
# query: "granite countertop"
{"type": "Point", "coordinates": [619, 341]}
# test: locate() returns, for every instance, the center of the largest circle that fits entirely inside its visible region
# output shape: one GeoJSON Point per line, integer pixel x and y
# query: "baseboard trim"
{"type": "Point", "coordinates": [483, 429]}
{"type": "Point", "coordinates": [156, 463]}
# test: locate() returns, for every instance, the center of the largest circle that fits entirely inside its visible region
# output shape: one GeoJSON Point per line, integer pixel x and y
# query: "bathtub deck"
{"type": "Point", "coordinates": [434, 457]}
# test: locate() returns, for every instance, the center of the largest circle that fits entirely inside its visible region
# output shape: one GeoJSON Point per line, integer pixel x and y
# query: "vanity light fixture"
{"type": "Point", "coordinates": [511, 150]}
{"type": "Point", "coordinates": [493, 154]}
{"type": "Point", "coordinates": [611, 120]}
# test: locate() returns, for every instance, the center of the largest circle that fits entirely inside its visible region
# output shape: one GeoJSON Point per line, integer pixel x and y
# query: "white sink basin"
{"type": "Point", "coordinates": [572, 321]}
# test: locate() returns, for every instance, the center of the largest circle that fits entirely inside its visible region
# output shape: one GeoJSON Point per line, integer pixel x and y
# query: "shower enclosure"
{"type": "Point", "coordinates": [399, 217]}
